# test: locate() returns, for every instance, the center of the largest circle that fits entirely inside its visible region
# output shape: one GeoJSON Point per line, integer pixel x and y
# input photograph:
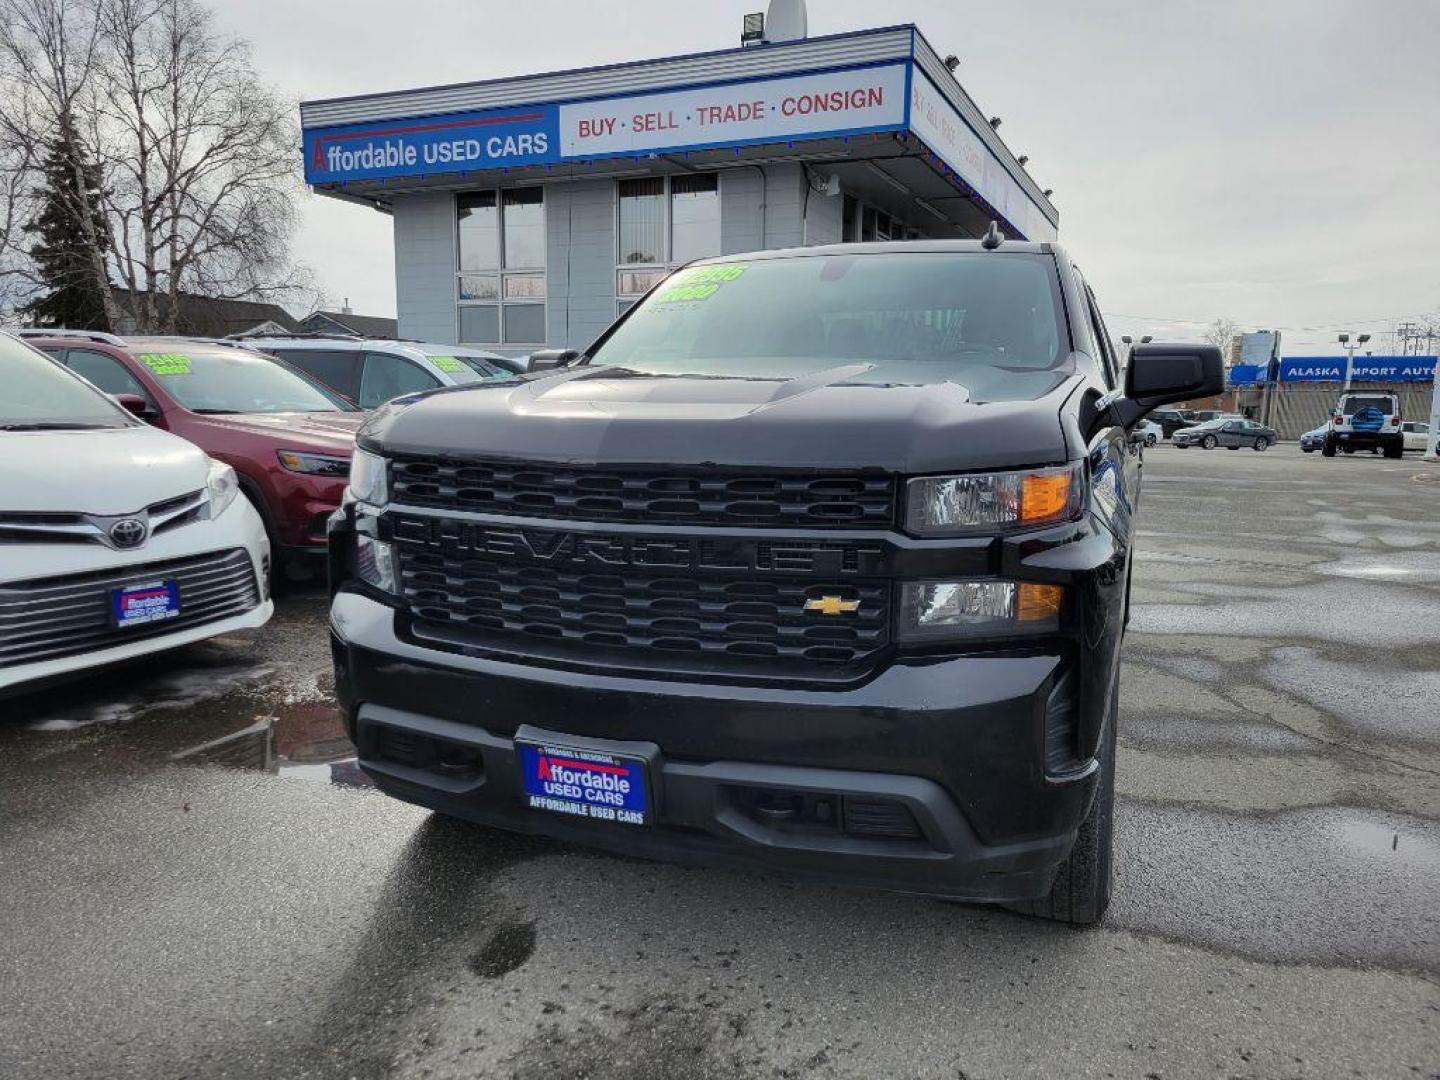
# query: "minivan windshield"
{"type": "Point", "coordinates": [221, 380]}
{"type": "Point", "coordinates": [989, 321]}
{"type": "Point", "coordinates": [41, 395]}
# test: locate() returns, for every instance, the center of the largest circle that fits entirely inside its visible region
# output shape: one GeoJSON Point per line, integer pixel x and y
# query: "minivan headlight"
{"type": "Point", "coordinates": [369, 478]}
{"type": "Point", "coordinates": [951, 609]}
{"type": "Point", "coordinates": [954, 505]}
{"type": "Point", "coordinates": [221, 485]}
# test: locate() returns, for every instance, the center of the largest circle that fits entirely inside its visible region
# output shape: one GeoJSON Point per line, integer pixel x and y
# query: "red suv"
{"type": "Point", "coordinates": [288, 437]}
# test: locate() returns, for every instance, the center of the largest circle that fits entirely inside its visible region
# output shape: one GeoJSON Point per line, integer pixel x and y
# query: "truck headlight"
{"type": "Point", "coordinates": [369, 478]}
{"type": "Point", "coordinates": [950, 609]}
{"type": "Point", "coordinates": [221, 485]}
{"type": "Point", "coordinates": [299, 461]}
{"type": "Point", "coordinates": [375, 563]}
{"type": "Point", "coordinates": [953, 505]}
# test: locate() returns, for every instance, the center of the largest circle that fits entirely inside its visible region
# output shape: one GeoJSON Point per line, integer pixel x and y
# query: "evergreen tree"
{"type": "Point", "coordinates": [63, 260]}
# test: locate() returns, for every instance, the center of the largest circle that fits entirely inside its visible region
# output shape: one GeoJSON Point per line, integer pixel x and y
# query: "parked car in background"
{"type": "Point", "coordinates": [1206, 415]}
{"type": "Point", "coordinates": [1415, 434]}
{"type": "Point", "coordinates": [1149, 432]}
{"type": "Point", "coordinates": [1172, 420]}
{"type": "Point", "coordinates": [1231, 434]}
{"type": "Point", "coordinates": [1313, 440]}
{"type": "Point", "coordinates": [1365, 420]}
{"type": "Point", "coordinates": [288, 438]}
{"type": "Point", "coordinates": [118, 539]}
{"type": "Point", "coordinates": [371, 371]}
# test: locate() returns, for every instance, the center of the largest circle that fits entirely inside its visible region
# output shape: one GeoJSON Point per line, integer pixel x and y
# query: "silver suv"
{"type": "Point", "coordinates": [371, 371]}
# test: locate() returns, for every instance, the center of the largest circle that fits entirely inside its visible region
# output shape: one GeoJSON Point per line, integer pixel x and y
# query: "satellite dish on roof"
{"type": "Point", "coordinates": [786, 21]}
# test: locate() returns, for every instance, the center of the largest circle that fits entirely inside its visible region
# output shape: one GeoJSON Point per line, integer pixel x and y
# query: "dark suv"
{"type": "Point", "coordinates": [816, 561]}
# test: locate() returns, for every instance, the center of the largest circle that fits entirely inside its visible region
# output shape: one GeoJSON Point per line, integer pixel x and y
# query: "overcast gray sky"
{"type": "Point", "coordinates": [1275, 162]}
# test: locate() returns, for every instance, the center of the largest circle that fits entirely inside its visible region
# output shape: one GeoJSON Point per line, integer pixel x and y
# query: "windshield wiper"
{"type": "Point", "coordinates": [55, 425]}
{"type": "Point", "coordinates": [216, 412]}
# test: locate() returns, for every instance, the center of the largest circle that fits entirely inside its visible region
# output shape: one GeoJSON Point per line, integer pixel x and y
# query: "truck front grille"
{"type": "Point", "coordinates": [650, 496]}
{"type": "Point", "coordinates": [639, 617]}
{"type": "Point", "coordinates": [51, 618]}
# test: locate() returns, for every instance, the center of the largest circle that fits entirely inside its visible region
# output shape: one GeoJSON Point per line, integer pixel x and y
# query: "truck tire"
{"type": "Point", "coordinates": [1395, 449]}
{"type": "Point", "coordinates": [1209, 442]}
{"type": "Point", "coordinates": [1328, 449]}
{"type": "Point", "coordinates": [1081, 891]}
{"type": "Point", "coordinates": [1262, 444]}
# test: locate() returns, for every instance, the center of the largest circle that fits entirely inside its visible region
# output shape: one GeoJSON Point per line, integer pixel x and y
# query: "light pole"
{"type": "Point", "coordinates": [1432, 437]}
{"type": "Point", "coordinates": [1350, 355]}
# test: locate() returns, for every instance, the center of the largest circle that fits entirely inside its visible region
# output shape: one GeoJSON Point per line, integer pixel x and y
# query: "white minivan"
{"type": "Point", "coordinates": [116, 539]}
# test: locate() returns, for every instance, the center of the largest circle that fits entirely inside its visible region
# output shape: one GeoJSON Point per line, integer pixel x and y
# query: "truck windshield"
{"type": "Point", "coordinates": [234, 381]}
{"type": "Point", "coordinates": [41, 395]}
{"type": "Point", "coordinates": [988, 321]}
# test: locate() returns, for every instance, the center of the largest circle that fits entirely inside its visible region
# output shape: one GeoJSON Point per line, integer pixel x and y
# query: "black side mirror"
{"type": "Point", "coordinates": [136, 406]}
{"type": "Point", "coordinates": [549, 359]}
{"type": "Point", "coordinates": [1161, 374]}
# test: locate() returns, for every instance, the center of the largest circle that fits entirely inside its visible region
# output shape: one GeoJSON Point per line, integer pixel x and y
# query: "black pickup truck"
{"type": "Point", "coordinates": [817, 562]}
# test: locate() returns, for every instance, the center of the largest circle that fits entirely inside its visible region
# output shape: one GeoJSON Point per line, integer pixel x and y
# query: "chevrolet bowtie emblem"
{"type": "Point", "coordinates": [832, 605]}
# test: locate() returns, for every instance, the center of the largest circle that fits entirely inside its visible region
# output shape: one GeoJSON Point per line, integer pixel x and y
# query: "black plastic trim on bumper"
{"type": "Point", "coordinates": [699, 821]}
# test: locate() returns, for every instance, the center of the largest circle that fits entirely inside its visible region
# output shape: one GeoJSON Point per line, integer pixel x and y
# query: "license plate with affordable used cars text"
{"type": "Point", "coordinates": [141, 605]}
{"type": "Point", "coordinates": [585, 783]}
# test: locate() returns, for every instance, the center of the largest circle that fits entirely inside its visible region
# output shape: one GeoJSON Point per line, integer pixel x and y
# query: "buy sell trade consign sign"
{"type": "Point", "coordinates": [827, 104]}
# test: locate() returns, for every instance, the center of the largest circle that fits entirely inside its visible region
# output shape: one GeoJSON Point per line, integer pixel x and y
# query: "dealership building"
{"type": "Point", "coordinates": [530, 211]}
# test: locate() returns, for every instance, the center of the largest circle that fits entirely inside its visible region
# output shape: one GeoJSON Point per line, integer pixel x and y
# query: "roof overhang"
{"type": "Point", "coordinates": [877, 101]}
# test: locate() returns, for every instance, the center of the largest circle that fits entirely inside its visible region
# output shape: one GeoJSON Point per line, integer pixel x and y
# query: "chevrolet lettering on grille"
{"type": "Point", "coordinates": [556, 547]}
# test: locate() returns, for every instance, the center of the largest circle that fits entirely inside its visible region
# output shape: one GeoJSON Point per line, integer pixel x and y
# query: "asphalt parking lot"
{"type": "Point", "coordinates": [194, 880]}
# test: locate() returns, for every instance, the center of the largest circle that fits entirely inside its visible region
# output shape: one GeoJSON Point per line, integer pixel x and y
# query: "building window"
{"type": "Point", "coordinates": [500, 283]}
{"type": "Point", "coordinates": [663, 222]}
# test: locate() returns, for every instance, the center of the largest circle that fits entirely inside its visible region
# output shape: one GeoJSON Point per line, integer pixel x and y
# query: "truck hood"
{"type": "Point", "coordinates": [322, 432]}
{"type": "Point", "coordinates": [599, 415]}
{"type": "Point", "coordinates": [106, 472]}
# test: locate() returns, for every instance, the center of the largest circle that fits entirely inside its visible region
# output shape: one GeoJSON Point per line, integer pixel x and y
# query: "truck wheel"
{"type": "Point", "coordinates": [1209, 442]}
{"type": "Point", "coordinates": [1395, 450]}
{"type": "Point", "coordinates": [1081, 891]}
{"type": "Point", "coordinates": [1262, 444]}
{"type": "Point", "coordinates": [1328, 448]}
{"type": "Point", "coordinates": [1149, 440]}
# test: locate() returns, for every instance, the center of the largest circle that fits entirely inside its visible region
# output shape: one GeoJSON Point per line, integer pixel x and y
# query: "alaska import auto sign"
{"type": "Point", "coordinates": [1364, 369]}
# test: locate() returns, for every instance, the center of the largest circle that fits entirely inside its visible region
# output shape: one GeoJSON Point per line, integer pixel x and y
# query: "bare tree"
{"type": "Point", "coordinates": [1222, 333]}
{"type": "Point", "coordinates": [202, 165]}
{"type": "Point", "coordinates": [200, 173]}
{"type": "Point", "coordinates": [47, 66]}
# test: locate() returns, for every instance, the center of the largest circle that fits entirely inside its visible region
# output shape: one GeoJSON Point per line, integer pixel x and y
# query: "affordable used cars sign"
{"type": "Point", "coordinates": [832, 103]}
{"type": "Point", "coordinates": [457, 142]}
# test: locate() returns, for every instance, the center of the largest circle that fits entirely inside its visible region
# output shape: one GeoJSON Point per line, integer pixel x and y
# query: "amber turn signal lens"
{"type": "Point", "coordinates": [1038, 602]}
{"type": "Point", "coordinates": [1044, 496]}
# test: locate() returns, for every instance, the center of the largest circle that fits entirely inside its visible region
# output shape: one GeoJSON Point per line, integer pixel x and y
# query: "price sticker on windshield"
{"type": "Point", "coordinates": [165, 364]}
{"type": "Point", "coordinates": [448, 364]}
{"type": "Point", "coordinates": [699, 283]}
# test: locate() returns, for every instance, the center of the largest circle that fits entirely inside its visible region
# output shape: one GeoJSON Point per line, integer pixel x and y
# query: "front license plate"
{"type": "Point", "coordinates": [141, 605]}
{"type": "Point", "coordinates": [585, 783]}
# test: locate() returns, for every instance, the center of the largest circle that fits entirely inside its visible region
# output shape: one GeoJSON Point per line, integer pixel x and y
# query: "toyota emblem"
{"type": "Point", "coordinates": [128, 533]}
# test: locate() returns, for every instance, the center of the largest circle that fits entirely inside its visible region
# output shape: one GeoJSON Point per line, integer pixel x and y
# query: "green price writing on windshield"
{"type": "Point", "coordinates": [698, 283]}
{"type": "Point", "coordinates": [448, 364]}
{"type": "Point", "coordinates": [167, 363]}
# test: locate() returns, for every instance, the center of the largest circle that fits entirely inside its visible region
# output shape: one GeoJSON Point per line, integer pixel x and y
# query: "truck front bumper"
{"type": "Point", "coordinates": [929, 778]}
